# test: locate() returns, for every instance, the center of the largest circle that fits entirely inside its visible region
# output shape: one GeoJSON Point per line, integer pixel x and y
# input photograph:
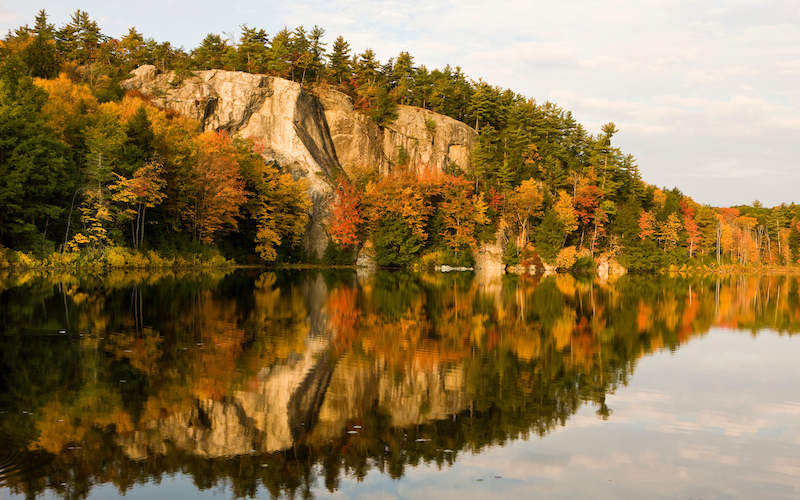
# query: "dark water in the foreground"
{"type": "Point", "coordinates": [323, 384]}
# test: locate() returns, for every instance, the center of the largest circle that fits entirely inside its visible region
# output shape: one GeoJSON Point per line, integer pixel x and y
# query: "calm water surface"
{"type": "Point", "coordinates": [254, 384]}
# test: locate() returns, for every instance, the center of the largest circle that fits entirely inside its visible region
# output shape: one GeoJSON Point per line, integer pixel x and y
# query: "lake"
{"type": "Point", "coordinates": [334, 384]}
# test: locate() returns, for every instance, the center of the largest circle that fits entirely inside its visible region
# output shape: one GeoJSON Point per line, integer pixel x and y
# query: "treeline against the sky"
{"type": "Point", "coordinates": [86, 167]}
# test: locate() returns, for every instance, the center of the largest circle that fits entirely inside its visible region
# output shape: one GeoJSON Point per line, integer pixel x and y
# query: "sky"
{"type": "Point", "coordinates": [705, 93]}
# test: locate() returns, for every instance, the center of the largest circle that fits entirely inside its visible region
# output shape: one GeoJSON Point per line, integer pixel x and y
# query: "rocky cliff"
{"type": "Point", "coordinates": [311, 133]}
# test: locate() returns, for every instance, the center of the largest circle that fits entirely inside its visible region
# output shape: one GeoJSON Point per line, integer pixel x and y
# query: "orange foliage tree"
{"type": "Point", "coordinates": [462, 212]}
{"type": "Point", "coordinates": [693, 235]}
{"type": "Point", "coordinates": [346, 211]}
{"type": "Point", "coordinates": [218, 186]}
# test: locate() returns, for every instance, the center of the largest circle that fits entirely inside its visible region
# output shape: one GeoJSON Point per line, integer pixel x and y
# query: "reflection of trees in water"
{"type": "Point", "coordinates": [528, 354]}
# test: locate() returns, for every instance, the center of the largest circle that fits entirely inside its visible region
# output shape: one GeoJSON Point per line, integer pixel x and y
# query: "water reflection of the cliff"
{"type": "Point", "coordinates": [276, 379]}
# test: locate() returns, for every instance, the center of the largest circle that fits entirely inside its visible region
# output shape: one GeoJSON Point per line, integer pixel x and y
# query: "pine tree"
{"type": "Point", "coordinates": [339, 62]}
{"type": "Point", "coordinates": [210, 52]}
{"type": "Point", "coordinates": [79, 39]}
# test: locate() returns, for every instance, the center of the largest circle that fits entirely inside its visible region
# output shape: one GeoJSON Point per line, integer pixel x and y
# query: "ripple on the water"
{"type": "Point", "coordinates": [16, 460]}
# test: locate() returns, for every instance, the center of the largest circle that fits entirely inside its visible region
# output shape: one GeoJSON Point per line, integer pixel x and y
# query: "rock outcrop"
{"type": "Point", "coordinates": [312, 134]}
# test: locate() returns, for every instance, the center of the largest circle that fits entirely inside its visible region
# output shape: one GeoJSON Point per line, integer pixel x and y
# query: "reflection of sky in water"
{"type": "Point", "coordinates": [716, 419]}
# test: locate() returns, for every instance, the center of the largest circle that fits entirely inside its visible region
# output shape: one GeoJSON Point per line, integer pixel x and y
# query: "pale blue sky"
{"type": "Point", "coordinates": [705, 94]}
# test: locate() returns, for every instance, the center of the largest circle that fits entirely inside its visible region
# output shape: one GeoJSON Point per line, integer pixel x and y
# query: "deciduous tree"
{"type": "Point", "coordinates": [346, 212]}
{"type": "Point", "coordinates": [144, 190]}
{"type": "Point", "coordinates": [218, 186]}
{"type": "Point", "coordinates": [523, 203]}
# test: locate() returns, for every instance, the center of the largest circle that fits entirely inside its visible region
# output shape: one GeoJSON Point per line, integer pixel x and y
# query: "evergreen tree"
{"type": "Point", "coordinates": [549, 237]}
{"type": "Point", "coordinates": [42, 28]}
{"type": "Point", "coordinates": [280, 51]}
{"type": "Point", "coordinates": [367, 68]}
{"type": "Point", "coordinates": [317, 51]}
{"type": "Point", "coordinates": [79, 39]}
{"type": "Point", "coordinates": [252, 50]}
{"type": "Point", "coordinates": [403, 81]}
{"type": "Point", "coordinates": [210, 52]}
{"type": "Point", "coordinates": [140, 142]}
{"type": "Point", "coordinates": [339, 62]}
{"type": "Point", "coordinates": [33, 171]}
{"type": "Point", "coordinates": [422, 87]}
{"type": "Point", "coordinates": [482, 106]}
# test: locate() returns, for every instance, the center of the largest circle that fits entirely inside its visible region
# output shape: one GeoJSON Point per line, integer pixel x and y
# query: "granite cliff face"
{"type": "Point", "coordinates": [312, 134]}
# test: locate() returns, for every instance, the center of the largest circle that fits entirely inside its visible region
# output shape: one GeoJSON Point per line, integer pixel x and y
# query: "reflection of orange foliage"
{"type": "Point", "coordinates": [344, 316]}
{"type": "Point", "coordinates": [644, 318]}
{"type": "Point", "coordinates": [583, 349]}
{"type": "Point", "coordinates": [143, 349]}
{"type": "Point", "coordinates": [219, 344]}
{"type": "Point", "coordinates": [688, 317]}
{"type": "Point", "coordinates": [413, 340]}
{"type": "Point", "coordinates": [668, 310]}
{"type": "Point", "coordinates": [566, 284]}
{"type": "Point", "coordinates": [562, 330]}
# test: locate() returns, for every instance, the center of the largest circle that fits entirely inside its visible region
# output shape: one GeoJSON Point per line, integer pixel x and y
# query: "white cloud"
{"type": "Point", "coordinates": [706, 76]}
{"type": "Point", "coordinates": [708, 28]}
{"type": "Point", "coordinates": [788, 67]}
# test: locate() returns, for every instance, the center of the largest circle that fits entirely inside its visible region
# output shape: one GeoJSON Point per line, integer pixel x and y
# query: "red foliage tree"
{"type": "Point", "coordinates": [346, 212]}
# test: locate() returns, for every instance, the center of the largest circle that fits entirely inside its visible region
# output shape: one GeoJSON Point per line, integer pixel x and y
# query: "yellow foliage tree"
{"type": "Point", "coordinates": [523, 203]}
{"type": "Point", "coordinates": [281, 210]}
{"type": "Point", "coordinates": [67, 103]}
{"type": "Point", "coordinates": [145, 190]}
{"type": "Point", "coordinates": [669, 231]}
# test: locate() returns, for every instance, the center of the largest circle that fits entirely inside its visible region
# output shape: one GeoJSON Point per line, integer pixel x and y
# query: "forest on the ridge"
{"type": "Point", "coordinates": [93, 175]}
